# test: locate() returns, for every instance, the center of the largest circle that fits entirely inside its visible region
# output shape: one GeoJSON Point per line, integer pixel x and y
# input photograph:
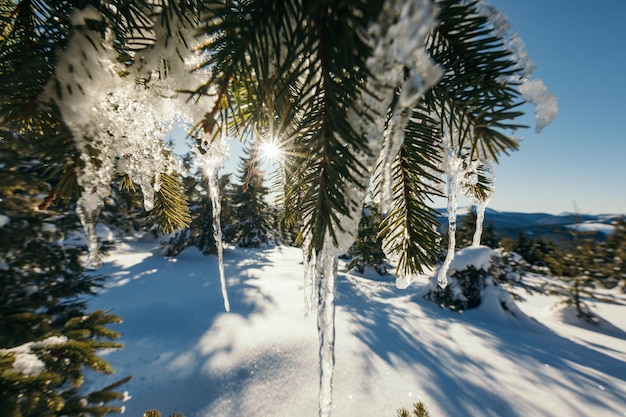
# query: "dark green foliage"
{"type": "Point", "coordinates": [538, 252]}
{"type": "Point", "coordinates": [156, 413]}
{"type": "Point", "coordinates": [580, 267]}
{"type": "Point", "coordinates": [43, 295]}
{"type": "Point", "coordinates": [463, 290]}
{"type": "Point", "coordinates": [367, 249]}
{"type": "Point", "coordinates": [251, 213]}
{"type": "Point", "coordinates": [228, 191]}
{"type": "Point", "coordinates": [200, 231]}
{"type": "Point", "coordinates": [44, 287]}
{"type": "Point", "coordinates": [124, 211]}
{"type": "Point", "coordinates": [419, 410]}
{"type": "Point", "coordinates": [465, 233]}
{"type": "Point", "coordinates": [614, 255]}
{"type": "Point", "coordinates": [170, 211]}
{"type": "Point", "coordinates": [287, 228]}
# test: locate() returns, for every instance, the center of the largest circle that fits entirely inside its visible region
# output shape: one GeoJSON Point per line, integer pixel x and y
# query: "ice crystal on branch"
{"type": "Point", "coordinates": [119, 112]}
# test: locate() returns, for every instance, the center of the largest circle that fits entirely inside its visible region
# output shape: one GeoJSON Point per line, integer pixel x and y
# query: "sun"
{"type": "Point", "coordinates": [270, 151]}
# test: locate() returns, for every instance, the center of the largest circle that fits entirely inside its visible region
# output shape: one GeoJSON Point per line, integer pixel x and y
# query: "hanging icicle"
{"type": "Point", "coordinates": [214, 190]}
{"type": "Point", "coordinates": [454, 171]}
{"type": "Point", "coordinates": [481, 202]}
{"type": "Point", "coordinates": [88, 219]}
{"type": "Point", "coordinates": [480, 218]}
{"type": "Point", "coordinates": [326, 266]}
{"type": "Point", "coordinates": [310, 294]}
{"type": "Point", "coordinates": [211, 156]}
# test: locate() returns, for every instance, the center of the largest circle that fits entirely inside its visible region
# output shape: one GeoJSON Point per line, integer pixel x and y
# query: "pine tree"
{"type": "Point", "coordinates": [582, 270]}
{"type": "Point", "coordinates": [251, 213]}
{"type": "Point", "coordinates": [367, 249]}
{"type": "Point", "coordinates": [614, 254]}
{"type": "Point", "coordinates": [228, 191]}
{"type": "Point", "coordinates": [46, 336]}
{"type": "Point", "coordinates": [200, 232]}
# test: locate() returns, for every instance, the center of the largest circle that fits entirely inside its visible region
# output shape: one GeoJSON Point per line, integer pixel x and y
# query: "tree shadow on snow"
{"type": "Point", "coordinates": [450, 369]}
{"type": "Point", "coordinates": [169, 306]}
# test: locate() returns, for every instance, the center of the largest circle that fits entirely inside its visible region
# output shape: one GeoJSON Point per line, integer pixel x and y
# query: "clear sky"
{"type": "Point", "coordinates": [579, 161]}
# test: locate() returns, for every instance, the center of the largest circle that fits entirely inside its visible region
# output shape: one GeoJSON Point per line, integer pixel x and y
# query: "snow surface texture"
{"type": "Point", "coordinates": [392, 347]}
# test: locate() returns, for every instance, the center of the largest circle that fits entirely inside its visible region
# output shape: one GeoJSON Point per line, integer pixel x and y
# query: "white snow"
{"type": "Point", "coordinates": [4, 220]}
{"type": "Point", "coordinates": [546, 107]}
{"type": "Point", "coordinates": [477, 256]}
{"type": "Point", "coordinates": [607, 229]}
{"type": "Point", "coordinates": [392, 347]}
{"type": "Point", "coordinates": [26, 360]}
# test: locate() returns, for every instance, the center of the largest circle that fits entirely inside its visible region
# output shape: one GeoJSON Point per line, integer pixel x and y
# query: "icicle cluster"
{"type": "Point", "coordinates": [119, 114]}
{"type": "Point", "coordinates": [399, 43]}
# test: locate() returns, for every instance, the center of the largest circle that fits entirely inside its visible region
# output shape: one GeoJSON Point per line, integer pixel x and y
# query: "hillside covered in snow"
{"type": "Point", "coordinates": [393, 348]}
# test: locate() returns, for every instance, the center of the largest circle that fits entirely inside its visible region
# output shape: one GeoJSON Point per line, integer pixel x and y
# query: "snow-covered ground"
{"type": "Point", "coordinates": [393, 348]}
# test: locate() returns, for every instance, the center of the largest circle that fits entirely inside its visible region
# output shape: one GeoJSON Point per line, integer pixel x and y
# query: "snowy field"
{"type": "Point", "coordinates": [393, 348]}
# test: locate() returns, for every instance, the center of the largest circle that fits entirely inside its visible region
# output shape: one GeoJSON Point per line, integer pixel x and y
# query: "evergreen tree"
{"type": "Point", "coordinates": [46, 336]}
{"type": "Point", "coordinates": [367, 249]}
{"type": "Point", "coordinates": [614, 254]}
{"type": "Point", "coordinates": [582, 270]}
{"type": "Point", "coordinates": [228, 191]}
{"type": "Point", "coordinates": [200, 232]}
{"type": "Point", "coordinates": [123, 211]}
{"type": "Point", "coordinates": [251, 213]}
{"type": "Point", "coordinates": [465, 233]}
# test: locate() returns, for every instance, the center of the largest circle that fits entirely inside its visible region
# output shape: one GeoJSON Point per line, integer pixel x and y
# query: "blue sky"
{"type": "Point", "coordinates": [579, 161]}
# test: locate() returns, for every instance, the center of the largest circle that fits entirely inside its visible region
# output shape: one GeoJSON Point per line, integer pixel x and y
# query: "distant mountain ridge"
{"type": "Point", "coordinates": [557, 227]}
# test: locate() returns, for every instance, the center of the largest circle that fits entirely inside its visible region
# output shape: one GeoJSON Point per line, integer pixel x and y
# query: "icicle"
{"type": "Point", "coordinates": [214, 190]}
{"type": "Point", "coordinates": [442, 276]}
{"type": "Point", "coordinates": [398, 39]}
{"type": "Point", "coordinates": [454, 170]}
{"type": "Point", "coordinates": [310, 296]}
{"type": "Point", "coordinates": [88, 220]}
{"type": "Point", "coordinates": [480, 218]}
{"type": "Point", "coordinates": [481, 205]}
{"type": "Point", "coordinates": [326, 264]}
